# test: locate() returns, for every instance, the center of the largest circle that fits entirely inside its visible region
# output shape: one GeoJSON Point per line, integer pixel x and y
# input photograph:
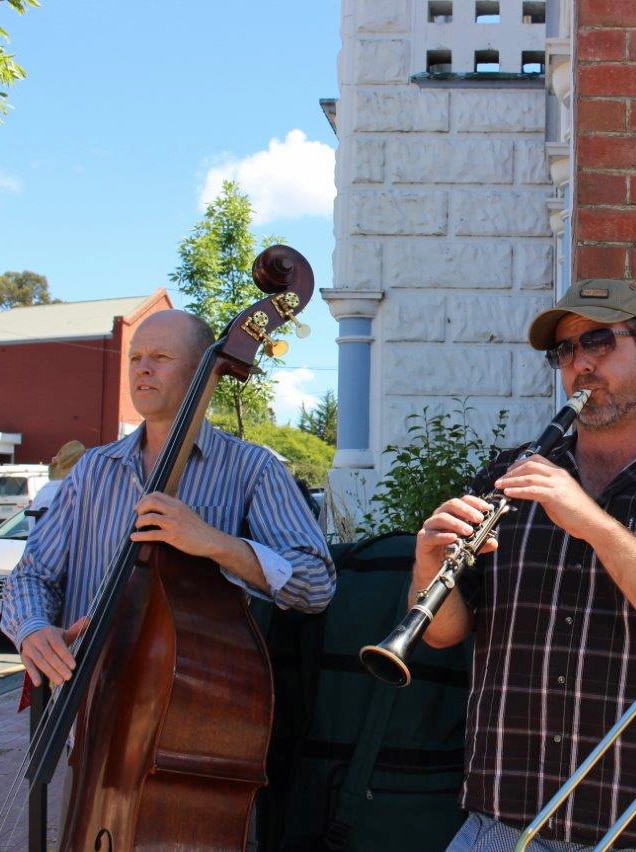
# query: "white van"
{"type": "Point", "coordinates": [13, 537]}
{"type": "Point", "coordinates": [19, 483]}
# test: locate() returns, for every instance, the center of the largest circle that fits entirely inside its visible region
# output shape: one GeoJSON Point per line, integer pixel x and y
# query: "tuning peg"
{"type": "Point", "coordinates": [255, 326]}
{"type": "Point", "coordinates": [275, 348]}
{"type": "Point", "coordinates": [302, 330]}
{"type": "Point", "coordinates": [285, 304]}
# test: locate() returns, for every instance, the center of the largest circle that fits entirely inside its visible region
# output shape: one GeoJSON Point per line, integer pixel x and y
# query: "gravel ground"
{"type": "Point", "coordinates": [14, 741]}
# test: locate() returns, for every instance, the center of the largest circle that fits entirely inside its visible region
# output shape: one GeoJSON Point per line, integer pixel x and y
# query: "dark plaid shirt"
{"type": "Point", "coordinates": [554, 668]}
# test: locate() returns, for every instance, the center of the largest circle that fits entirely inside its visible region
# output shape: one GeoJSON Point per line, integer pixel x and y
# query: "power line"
{"type": "Point", "coordinates": [307, 367]}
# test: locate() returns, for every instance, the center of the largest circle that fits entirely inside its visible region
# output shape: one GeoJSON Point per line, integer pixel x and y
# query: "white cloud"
{"type": "Point", "coordinates": [290, 179]}
{"type": "Point", "coordinates": [9, 183]}
{"type": "Point", "coordinates": [290, 395]}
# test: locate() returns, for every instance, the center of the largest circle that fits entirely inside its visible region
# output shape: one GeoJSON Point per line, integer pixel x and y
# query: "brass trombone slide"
{"type": "Point", "coordinates": [563, 792]}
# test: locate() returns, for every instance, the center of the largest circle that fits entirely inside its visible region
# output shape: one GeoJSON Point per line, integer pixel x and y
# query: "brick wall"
{"type": "Point", "coordinates": [64, 389]}
{"type": "Point", "coordinates": [605, 133]}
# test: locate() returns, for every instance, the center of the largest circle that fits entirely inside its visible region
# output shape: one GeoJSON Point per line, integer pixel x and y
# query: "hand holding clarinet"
{"type": "Point", "coordinates": [459, 530]}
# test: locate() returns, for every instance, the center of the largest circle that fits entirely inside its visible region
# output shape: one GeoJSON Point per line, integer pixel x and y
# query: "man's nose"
{"type": "Point", "coordinates": [143, 365]}
{"type": "Point", "coordinates": [582, 360]}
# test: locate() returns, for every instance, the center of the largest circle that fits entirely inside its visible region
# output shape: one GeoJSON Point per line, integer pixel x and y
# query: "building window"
{"type": "Point", "coordinates": [487, 11]}
{"type": "Point", "coordinates": [487, 60]}
{"type": "Point", "coordinates": [438, 61]}
{"type": "Point", "coordinates": [440, 11]}
{"type": "Point", "coordinates": [533, 12]}
{"type": "Point", "coordinates": [533, 62]}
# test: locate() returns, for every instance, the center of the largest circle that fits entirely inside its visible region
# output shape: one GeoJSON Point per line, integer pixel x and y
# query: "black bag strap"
{"type": "Point", "coordinates": [355, 785]}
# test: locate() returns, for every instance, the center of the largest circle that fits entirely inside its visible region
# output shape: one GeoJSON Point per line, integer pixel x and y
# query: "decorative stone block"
{"type": "Point", "coordinates": [396, 411]}
{"type": "Point", "coordinates": [364, 264]}
{"type": "Point", "coordinates": [382, 61]}
{"type": "Point", "coordinates": [533, 375]}
{"type": "Point", "coordinates": [443, 160]}
{"type": "Point", "coordinates": [383, 16]}
{"type": "Point", "coordinates": [436, 263]}
{"type": "Point", "coordinates": [533, 264]}
{"type": "Point", "coordinates": [525, 418]}
{"type": "Point", "coordinates": [492, 318]}
{"type": "Point", "coordinates": [489, 111]}
{"type": "Point", "coordinates": [398, 212]}
{"type": "Point", "coordinates": [501, 214]}
{"type": "Point", "coordinates": [427, 370]}
{"type": "Point", "coordinates": [531, 161]}
{"type": "Point", "coordinates": [367, 164]}
{"type": "Point", "coordinates": [414, 316]}
{"type": "Point", "coordinates": [401, 109]}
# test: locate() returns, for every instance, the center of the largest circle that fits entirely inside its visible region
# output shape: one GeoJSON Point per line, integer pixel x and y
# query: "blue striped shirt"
{"type": "Point", "coordinates": [231, 484]}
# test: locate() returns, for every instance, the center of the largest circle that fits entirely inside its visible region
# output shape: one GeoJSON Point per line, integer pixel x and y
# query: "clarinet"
{"type": "Point", "coordinates": [387, 661]}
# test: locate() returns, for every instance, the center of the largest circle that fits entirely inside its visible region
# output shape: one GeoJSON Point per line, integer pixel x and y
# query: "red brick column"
{"type": "Point", "coordinates": [604, 130]}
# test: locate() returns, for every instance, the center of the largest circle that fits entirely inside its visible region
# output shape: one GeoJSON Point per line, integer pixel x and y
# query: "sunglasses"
{"type": "Point", "coordinates": [597, 342]}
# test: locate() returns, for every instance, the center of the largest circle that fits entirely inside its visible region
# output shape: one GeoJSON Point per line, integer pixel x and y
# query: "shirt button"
{"type": "Point", "coordinates": [561, 679]}
{"type": "Point", "coordinates": [577, 567]}
{"type": "Point", "coordinates": [557, 738]}
{"type": "Point", "coordinates": [569, 620]}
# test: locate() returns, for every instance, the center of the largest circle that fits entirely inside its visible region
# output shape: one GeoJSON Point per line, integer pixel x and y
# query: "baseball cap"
{"type": "Point", "coordinates": [599, 299]}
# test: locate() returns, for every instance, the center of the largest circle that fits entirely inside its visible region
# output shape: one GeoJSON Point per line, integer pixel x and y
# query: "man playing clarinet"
{"type": "Point", "coordinates": [551, 600]}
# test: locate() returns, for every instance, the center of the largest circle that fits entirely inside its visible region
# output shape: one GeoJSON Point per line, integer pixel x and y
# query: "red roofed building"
{"type": "Point", "coordinates": [64, 374]}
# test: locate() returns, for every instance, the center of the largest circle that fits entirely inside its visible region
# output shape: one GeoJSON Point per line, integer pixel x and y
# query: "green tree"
{"type": "Point", "coordinates": [10, 71]}
{"type": "Point", "coordinates": [22, 289]}
{"type": "Point", "coordinates": [322, 420]}
{"type": "Point", "coordinates": [215, 273]}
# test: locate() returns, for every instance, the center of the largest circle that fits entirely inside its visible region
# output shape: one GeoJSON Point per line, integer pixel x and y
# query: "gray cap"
{"type": "Point", "coordinates": [599, 299]}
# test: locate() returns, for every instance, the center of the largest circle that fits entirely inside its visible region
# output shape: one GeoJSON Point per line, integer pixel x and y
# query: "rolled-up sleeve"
{"type": "Point", "coordinates": [280, 519]}
{"type": "Point", "coordinates": [34, 591]}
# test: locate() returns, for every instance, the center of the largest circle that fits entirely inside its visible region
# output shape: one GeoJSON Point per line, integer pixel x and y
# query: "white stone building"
{"type": "Point", "coordinates": [444, 248]}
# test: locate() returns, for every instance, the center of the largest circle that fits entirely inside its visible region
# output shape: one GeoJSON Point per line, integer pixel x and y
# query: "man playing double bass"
{"type": "Point", "coordinates": [227, 486]}
{"type": "Point", "coordinates": [552, 602]}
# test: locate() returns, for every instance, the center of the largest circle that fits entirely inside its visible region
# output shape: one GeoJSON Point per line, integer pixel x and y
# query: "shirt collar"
{"type": "Point", "coordinates": [205, 439]}
{"type": "Point", "coordinates": [564, 453]}
{"type": "Point", "coordinates": [129, 447]}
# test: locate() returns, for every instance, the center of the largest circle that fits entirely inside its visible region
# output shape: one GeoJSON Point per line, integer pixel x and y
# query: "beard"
{"type": "Point", "coordinates": [610, 410]}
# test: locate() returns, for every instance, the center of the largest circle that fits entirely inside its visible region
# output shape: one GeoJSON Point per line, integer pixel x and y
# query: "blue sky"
{"type": "Point", "coordinates": [129, 119]}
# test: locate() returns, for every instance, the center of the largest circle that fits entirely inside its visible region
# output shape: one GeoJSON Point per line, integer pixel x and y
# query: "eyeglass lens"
{"type": "Point", "coordinates": [597, 342]}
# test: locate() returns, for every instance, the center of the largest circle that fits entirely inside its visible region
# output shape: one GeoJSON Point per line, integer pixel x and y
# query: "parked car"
{"type": "Point", "coordinates": [319, 496]}
{"type": "Point", "coordinates": [13, 536]}
{"type": "Point", "coordinates": [19, 483]}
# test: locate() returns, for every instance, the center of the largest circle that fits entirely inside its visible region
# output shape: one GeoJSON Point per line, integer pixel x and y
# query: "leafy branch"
{"type": "Point", "coordinates": [215, 274]}
{"type": "Point", "coordinates": [10, 71]}
{"type": "Point", "coordinates": [444, 454]}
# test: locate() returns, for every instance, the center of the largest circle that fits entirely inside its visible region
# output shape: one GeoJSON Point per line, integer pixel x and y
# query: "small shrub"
{"type": "Point", "coordinates": [441, 459]}
{"type": "Point", "coordinates": [309, 457]}
{"type": "Point", "coordinates": [225, 420]}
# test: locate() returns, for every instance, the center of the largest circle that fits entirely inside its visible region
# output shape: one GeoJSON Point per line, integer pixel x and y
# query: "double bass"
{"type": "Point", "coordinates": [172, 687]}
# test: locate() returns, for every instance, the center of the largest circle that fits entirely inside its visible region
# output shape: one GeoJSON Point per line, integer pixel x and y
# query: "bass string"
{"type": "Point", "coordinates": [98, 602]}
{"type": "Point", "coordinates": [14, 789]}
{"type": "Point", "coordinates": [159, 471]}
{"type": "Point", "coordinates": [163, 464]}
